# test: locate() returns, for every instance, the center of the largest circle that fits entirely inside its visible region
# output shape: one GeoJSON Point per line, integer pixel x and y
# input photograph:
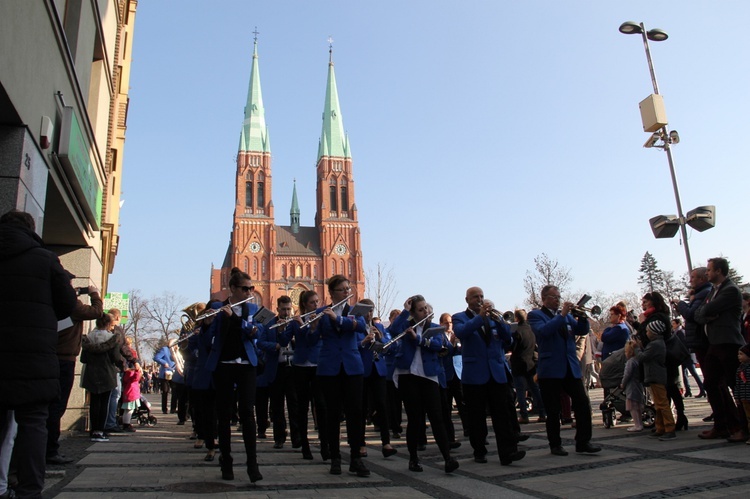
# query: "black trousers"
{"type": "Point", "coordinates": [394, 407]}
{"type": "Point", "coordinates": [281, 389]}
{"type": "Point", "coordinates": [420, 396]}
{"type": "Point", "coordinates": [179, 399]}
{"type": "Point", "coordinates": [226, 377]}
{"type": "Point", "coordinates": [551, 390]}
{"type": "Point", "coordinates": [342, 392]}
{"type": "Point", "coordinates": [204, 415]}
{"type": "Point", "coordinates": [306, 385]}
{"type": "Point", "coordinates": [261, 407]}
{"type": "Point", "coordinates": [30, 446]}
{"type": "Point", "coordinates": [719, 368]}
{"type": "Point", "coordinates": [98, 404]}
{"type": "Point", "coordinates": [493, 396]}
{"type": "Point", "coordinates": [164, 388]}
{"type": "Point", "coordinates": [374, 392]}
{"type": "Point", "coordinates": [455, 392]}
{"type": "Point", "coordinates": [58, 407]}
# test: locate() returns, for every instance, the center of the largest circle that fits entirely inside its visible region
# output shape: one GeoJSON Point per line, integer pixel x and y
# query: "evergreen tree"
{"type": "Point", "coordinates": [651, 278]}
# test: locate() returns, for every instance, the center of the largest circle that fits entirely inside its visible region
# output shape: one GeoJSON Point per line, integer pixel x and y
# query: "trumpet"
{"type": "Point", "coordinates": [215, 311]}
{"type": "Point", "coordinates": [322, 312]}
{"type": "Point", "coordinates": [401, 335]}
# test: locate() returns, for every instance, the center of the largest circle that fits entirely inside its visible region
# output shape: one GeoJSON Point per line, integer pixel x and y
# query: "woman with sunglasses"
{"type": "Point", "coordinates": [233, 360]}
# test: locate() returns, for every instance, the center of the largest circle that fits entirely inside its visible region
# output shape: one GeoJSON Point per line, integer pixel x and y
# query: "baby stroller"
{"type": "Point", "coordinates": [143, 413]}
{"type": "Point", "coordinates": [610, 377]}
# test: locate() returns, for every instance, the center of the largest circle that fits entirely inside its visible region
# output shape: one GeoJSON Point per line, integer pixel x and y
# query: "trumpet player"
{"type": "Point", "coordinates": [373, 389]}
{"type": "Point", "coordinates": [559, 368]}
{"type": "Point", "coordinates": [416, 376]}
{"type": "Point", "coordinates": [483, 335]}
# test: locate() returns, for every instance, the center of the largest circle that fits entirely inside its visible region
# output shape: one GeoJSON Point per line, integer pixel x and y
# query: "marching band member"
{"type": "Point", "coordinates": [485, 377]}
{"type": "Point", "coordinates": [394, 399]}
{"type": "Point", "coordinates": [203, 395]}
{"type": "Point", "coordinates": [304, 367]}
{"type": "Point", "coordinates": [374, 379]}
{"type": "Point", "coordinates": [339, 375]}
{"type": "Point", "coordinates": [416, 376]}
{"type": "Point", "coordinates": [452, 388]}
{"type": "Point", "coordinates": [559, 369]}
{"type": "Point", "coordinates": [278, 372]}
{"type": "Point", "coordinates": [233, 360]}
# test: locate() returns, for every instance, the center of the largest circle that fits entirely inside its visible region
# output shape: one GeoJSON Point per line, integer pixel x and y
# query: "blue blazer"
{"type": "Point", "coordinates": [306, 344]}
{"type": "Point", "coordinates": [556, 343]}
{"type": "Point", "coordinates": [482, 361]}
{"type": "Point", "coordinates": [368, 358]}
{"type": "Point", "coordinates": [408, 346]}
{"type": "Point", "coordinates": [164, 358]}
{"type": "Point", "coordinates": [338, 345]}
{"type": "Point", "coordinates": [267, 345]}
{"type": "Point", "coordinates": [216, 337]}
{"type": "Point", "coordinates": [201, 377]}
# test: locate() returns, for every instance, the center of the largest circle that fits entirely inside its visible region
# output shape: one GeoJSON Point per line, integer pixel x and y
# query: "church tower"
{"type": "Point", "coordinates": [336, 217]}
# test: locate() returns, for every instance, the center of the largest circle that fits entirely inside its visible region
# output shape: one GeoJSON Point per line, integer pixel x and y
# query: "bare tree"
{"type": "Point", "coordinates": [163, 313]}
{"type": "Point", "coordinates": [380, 285]}
{"type": "Point", "coordinates": [546, 271]}
{"type": "Point", "coordinates": [137, 325]}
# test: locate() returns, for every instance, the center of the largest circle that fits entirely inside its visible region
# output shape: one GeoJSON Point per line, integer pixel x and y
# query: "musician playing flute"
{"type": "Point", "coordinates": [485, 377]}
{"type": "Point", "coordinates": [374, 379]}
{"type": "Point", "coordinates": [339, 375]}
{"type": "Point", "coordinates": [416, 376]}
{"type": "Point", "coordinates": [233, 360]}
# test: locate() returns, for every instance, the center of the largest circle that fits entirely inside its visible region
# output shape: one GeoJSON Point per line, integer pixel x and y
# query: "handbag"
{"type": "Point", "coordinates": [677, 351]}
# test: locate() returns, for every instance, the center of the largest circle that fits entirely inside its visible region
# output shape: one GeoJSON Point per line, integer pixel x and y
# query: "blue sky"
{"type": "Point", "coordinates": [483, 134]}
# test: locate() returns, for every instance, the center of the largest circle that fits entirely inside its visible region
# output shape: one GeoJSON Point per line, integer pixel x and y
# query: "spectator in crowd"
{"type": "Point", "coordinates": [742, 380]}
{"type": "Point", "coordinates": [689, 365]}
{"type": "Point", "coordinates": [131, 394]}
{"type": "Point", "coordinates": [163, 358]}
{"type": "Point", "coordinates": [35, 293]}
{"type": "Point", "coordinates": [126, 355]}
{"type": "Point", "coordinates": [68, 348]}
{"type": "Point", "coordinates": [653, 359]}
{"type": "Point", "coordinates": [100, 353]}
{"type": "Point", "coordinates": [695, 334]}
{"type": "Point", "coordinates": [523, 366]}
{"type": "Point", "coordinates": [615, 336]}
{"type": "Point", "coordinates": [631, 383]}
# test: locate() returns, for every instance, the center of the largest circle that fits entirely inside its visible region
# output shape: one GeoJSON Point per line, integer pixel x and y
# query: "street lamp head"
{"type": "Point", "coordinates": [657, 35]}
{"type": "Point", "coordinates": [631, 28]}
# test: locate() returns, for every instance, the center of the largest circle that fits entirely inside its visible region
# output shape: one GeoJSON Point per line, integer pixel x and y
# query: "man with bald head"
{"type": "Point", "coordinates": [485, 377]}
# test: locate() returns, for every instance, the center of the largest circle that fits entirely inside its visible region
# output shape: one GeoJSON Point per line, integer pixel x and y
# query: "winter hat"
{"type": "Point", "coordinates": [657, 327]}
{"type": "Point", "coordinates": [745, 349]}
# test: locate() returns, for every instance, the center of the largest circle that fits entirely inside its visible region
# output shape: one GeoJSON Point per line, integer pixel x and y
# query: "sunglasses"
{"type": "Point", "coordinates": [245, 288]}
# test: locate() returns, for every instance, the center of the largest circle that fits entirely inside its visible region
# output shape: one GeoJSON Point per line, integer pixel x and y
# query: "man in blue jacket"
{"type": "Point", "coordinates": [559, 368]}
{"type": "Point", "coordinates": [485, 377]}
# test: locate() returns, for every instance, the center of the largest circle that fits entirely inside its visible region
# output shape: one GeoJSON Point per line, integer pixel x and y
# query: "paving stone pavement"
{"type": "Point", "coordinates": [161, 462]}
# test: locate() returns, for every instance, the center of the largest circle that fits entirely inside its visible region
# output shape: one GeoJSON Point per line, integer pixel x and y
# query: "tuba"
{"type": "Point", "coordinates": [190, 315]}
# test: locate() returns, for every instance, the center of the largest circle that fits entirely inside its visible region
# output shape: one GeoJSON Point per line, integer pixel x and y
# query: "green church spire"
{"type": "Point", "coordinates": [333, 139]}
{"type": "Point", "coordinates": [254, 134]}
{"type": "Point", "coordinates": [294, 212]}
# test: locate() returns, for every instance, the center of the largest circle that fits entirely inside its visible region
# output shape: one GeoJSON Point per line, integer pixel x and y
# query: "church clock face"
{"type": "Point", "coordinates": [254, 247]}
{"type": "Point", "coordinates": [340, 249]}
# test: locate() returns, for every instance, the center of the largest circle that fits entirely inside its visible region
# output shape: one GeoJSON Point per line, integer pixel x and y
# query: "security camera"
{"type": "Point", "coordinates": [651, 142]}
{"type": "Point", "coordinates": [674, 137]}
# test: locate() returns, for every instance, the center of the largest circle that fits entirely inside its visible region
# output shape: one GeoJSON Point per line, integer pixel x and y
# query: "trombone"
{"type": "Point", "coordinates": [401, 335]}
{"type": "Point", "coordinates": [322, 312]}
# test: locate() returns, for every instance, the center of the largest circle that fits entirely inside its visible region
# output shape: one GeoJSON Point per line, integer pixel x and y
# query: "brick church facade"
{"type": "Point", "coordinates": [290, 259]}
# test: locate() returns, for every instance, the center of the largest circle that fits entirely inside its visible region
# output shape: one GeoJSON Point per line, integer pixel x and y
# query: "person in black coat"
{"type": "Point", "coordinates": [35, 293]}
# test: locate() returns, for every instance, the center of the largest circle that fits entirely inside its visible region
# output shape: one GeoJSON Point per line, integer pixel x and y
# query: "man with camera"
{"type": "Point", "coordinates": [559, 369]}
{"type": "Point", "coordinates": [68, 349]}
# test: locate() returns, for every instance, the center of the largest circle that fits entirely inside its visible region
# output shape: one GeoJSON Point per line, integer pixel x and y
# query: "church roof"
{"type": "Point", "coordinates": [254, 133]}
{"type": "Point", "coordinates": [333, 139]}
{"type": "Point", "coordinates": [306, 242]}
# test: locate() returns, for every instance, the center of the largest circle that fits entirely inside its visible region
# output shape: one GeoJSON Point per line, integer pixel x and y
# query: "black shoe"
{"type": "Point", "coordinates": [421, 447]}
{"type": "Point", "coordinates": [325, 454]}
{"type": "Point", "coordinates": [336, 466]}
{"type": "Point", "coordinates": [254, 473]}
{"type": "Point", "coordinates": [296, 443]}
{"type": "Point", "coordinates": [688, 395]}
{"type": "Point", "coordinates": [226, 468]}
{"type": "Point", "coordinates": [262, 435]}
{"type": "Point", "coordinates": [681, 423]}
{"type": "Point", "coordinates": [701, 394]}
{"type": "Point", "coordinates": [515, 456]}
{"type": "Point", "coordinates": [357, 466]}
{"type": "Point", "coordinates": [306, 453]}
{"type": "Point", "coordinates": [558, 451]}
{"type": "Point", "coordinates": [58, 459]}
{"type": "Point", "coordinates": [709, 418]}
{"type": "Point", "coordinates": [587, 448]}
{"type": "Point", "coordinates": [566, 420]}
{"type": "Point", "coordinates": [455, 444]}
{"type": "Point", "coordinates": [181, 423]}
{"type": "Point", "coordinates": [451, 465]}
{"type": "Point", "coordinates": [480, 458]}
{"type": "Point", "coordinates": [389, 452]}
{"type": "Point", "coordinates": [415, 466]}
{"type": "Point", "coordinates": [278, 445]}
{"type": "Point", "coordinates": [521, 437]}
{"type": "Point", "coordinates": [396, 435]}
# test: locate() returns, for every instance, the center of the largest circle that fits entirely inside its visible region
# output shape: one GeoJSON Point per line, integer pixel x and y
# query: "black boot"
{"type": "Point", "coordinates": [226, 467]}
{"type": "Point", "coordinates": [682, 422]}
{"type": "Point", "coordinates": [254, 473]}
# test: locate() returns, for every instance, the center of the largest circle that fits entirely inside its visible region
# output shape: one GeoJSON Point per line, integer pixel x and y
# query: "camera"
{"type": "Point", "coordinates": [82, 291]}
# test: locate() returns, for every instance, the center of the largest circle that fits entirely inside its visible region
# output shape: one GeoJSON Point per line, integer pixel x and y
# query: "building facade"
{"type": "Point", "coordinates": [64, 75]}
{"type": "Point", "coordinates": [290, 259]}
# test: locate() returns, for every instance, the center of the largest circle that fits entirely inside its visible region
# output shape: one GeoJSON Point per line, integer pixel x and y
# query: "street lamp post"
{"type": "Point", "coordinates": [662, 132]}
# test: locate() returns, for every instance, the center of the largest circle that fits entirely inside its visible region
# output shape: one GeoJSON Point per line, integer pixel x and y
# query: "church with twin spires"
{"type": "Point", "coordinates": [290, 259]}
